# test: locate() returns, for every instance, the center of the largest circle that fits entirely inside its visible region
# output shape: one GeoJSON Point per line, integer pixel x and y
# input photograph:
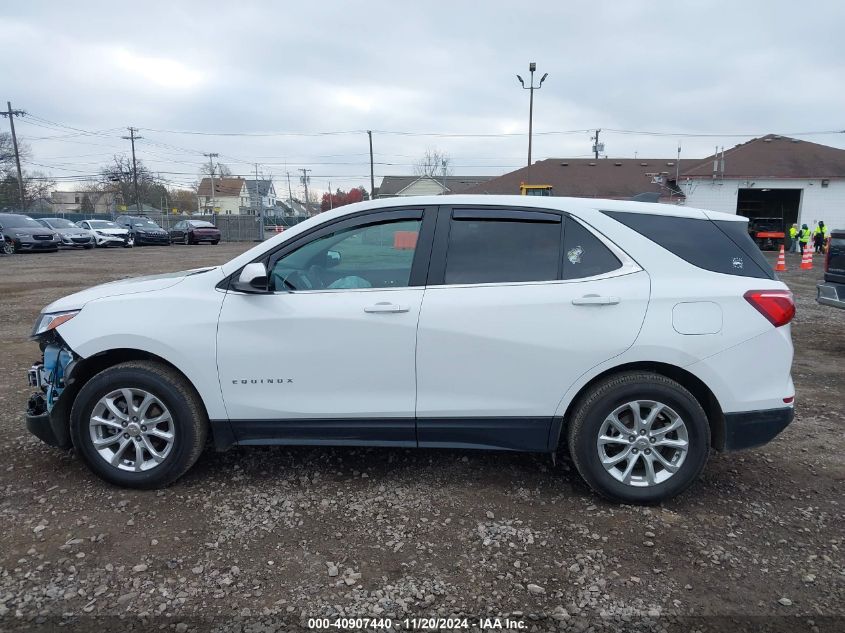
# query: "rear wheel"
{"type": "Point", "coordinates": [639, 437]}
{"type": "Point", "coordinates": [186, 240]}
{"type": "Point", "coordinates": [215, 242]}
{"type": "Point", "coordinates": [138, 424]}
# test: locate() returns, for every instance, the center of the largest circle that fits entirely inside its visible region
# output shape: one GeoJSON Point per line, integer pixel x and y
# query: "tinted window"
{"type": "Point", "coordinates": [19, 222]}
{"type": "Point", "coordinates": [495, 251]}
{"type": "Point", "coordinates": [59, 223]}
{"type": "Point", "coordinates": [722, 246]}
{"type": "Point", "coordinates": [583, 253]}
{"type": "Point", "coordinates": [146, 224]}
{"type": "Point", "coordinates": [374, 256]}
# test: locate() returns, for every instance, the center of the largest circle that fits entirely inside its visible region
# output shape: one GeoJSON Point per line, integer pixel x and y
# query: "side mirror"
{"type": "Point", "coordinates": [252, 280]}
{"type": "Point", "coordinates": [332, 259]}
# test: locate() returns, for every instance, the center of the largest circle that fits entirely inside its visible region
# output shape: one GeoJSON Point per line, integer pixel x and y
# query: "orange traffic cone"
{"type": "Point", "coordinates": [781, 265]}
{"type": "Point", "coordinates": [807, 258]}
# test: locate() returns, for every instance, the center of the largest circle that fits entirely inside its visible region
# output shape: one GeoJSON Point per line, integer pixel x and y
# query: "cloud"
{"type": "Point", "coordinates": [706, 66]}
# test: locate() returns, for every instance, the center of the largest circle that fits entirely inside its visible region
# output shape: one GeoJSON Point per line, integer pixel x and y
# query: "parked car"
{"type": "Point", "coordinates": [107, 233]}
{"type": "Point", "coordinates": [831, 291]}
{"type": "Point", "coordinates": [636, 336]}
{"type": "Point", "coordinates": [25, 234]}
{"type": "Point", "coordinates": [194, 232]}
{"type": "Point", "coordinates": [143, 230]}
{"type": "Point", "coordinates": [70, 234]}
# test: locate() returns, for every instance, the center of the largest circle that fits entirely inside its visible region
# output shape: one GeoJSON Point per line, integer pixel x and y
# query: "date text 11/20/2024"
{"type": "Point", "coordinates": [417, 624]}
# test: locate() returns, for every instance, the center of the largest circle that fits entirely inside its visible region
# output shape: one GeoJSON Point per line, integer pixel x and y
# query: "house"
{"type": "Point", "coordinates": [291, 207]}
{"type": "Point", "coordinates": [796, 181]}
{"type": "Point", "coordinates": [229, 197]}
{"type": "Point", "coordinates": [615, 178]}
{"type": "Point", "coordinates": [236, 195]}
{"type": "Point", "coordinates": [260, 190]}
{"type": "Point", "coordinates": [75, 201]}
{"type": "Point", "coordinates": [398, 186]}
{"type": "Point", "coordinates": [772, 177]}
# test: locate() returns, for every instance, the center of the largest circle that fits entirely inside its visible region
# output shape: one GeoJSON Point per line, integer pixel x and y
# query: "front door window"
{"type": "Point", "coordinates": [374, 256]}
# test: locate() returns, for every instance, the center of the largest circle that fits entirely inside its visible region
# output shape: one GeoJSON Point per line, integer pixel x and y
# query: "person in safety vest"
{"type": "Point", "coordinates": [819, 236]}
{"type": "Point", "coordinates": [803, 237]}
{"type": "Point", "coordinates": [792, 245]}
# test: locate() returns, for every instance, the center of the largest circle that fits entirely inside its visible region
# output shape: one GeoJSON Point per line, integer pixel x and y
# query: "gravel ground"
{"type": "Point", "coordinates": [263, 539]}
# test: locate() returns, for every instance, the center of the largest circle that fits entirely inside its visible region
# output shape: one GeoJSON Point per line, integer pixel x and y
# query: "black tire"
{"type": "Point", "coordinates": [593, 408]}
{"type": "Point", "coordinates": [190, 422]}
{"type": "Point", "coordinates": [186, 239]}
{"type": "Point", "coordinates": [215, 242]}
{"type": "Point", "coordinates": [88, 247]}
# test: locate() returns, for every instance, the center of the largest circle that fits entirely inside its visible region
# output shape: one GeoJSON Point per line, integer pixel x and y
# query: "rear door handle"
{"type": "Point", "coordinates": [595, 300]}
{"type": "Point", "coordinates": [383, 307]}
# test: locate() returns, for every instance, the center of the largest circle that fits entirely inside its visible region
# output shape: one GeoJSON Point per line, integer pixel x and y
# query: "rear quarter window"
{"type": "Point", "coordinates": [721, 246]}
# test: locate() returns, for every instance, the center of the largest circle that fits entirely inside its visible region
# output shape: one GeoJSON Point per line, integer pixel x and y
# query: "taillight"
{"type": "Point", "coordinates": [777, 306]}
{"type": "Point", "coordinates": [827, 258]}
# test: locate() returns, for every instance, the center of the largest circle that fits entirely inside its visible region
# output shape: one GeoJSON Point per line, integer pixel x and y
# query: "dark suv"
{"type": "Point", "coordinates": [143, 230]}
{"type": "Point", "coordinates": [25, 234]}
{"type": "Point", "coordinates": [831, 291]}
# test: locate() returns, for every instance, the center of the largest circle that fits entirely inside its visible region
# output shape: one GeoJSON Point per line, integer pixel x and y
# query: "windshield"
{"type": "Point", "coordinates": [201, 224]}
{"type": "Point", "coordinates": [60, 223]}
{"type": "Point", "coordinates": [102, 224]}
{"type": "Point", "coordinates": [19, 222]}
{"type": "Point", "coordinates": [149, 224]}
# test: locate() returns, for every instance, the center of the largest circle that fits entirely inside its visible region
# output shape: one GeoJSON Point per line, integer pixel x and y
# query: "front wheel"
{"type": "Point", "coordinates": [639, 437]}
{"type": "Point", "coordinates": [8, 247]}
{"type": "Point", "coordinates": [139, 425]}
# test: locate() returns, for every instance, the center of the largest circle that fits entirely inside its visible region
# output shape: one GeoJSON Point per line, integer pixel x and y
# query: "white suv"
{"type": "Point", "coordinates": [637, 336]}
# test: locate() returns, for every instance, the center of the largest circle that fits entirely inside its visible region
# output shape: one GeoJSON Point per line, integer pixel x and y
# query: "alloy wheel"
{"type": "Point", "coordinates": [132, 429]}
{"type": "Point", "coordinates": [642, 443]}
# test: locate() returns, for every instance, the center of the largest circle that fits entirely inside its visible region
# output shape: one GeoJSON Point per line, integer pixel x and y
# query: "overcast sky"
{"type": "Point", "coordinates": [440, 68]}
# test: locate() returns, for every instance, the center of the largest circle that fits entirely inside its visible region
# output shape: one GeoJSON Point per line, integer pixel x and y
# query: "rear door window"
{"type": "Point", "coordinates": [503, 246]}
{"type": "Point", "coordinates": [721, 246]}
{"type": "Point", "coordinates": [583, 253]}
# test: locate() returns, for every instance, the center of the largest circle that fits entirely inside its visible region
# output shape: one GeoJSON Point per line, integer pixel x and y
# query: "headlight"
{"type": "Point", "coordinates": [21, 234]}
{"type": "Point", "coordinates": [51, 321]}
{"type": "Point", "coordinates": [100, 233]}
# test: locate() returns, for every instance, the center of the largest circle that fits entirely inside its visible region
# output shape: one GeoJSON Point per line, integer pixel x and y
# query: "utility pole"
{"type": "Point", "coordinates": [12, 114]}
{"type": "Point", "coordinates": [305, 178]}
{"type": "Point", "coordinates": [290, 194]}
{"type": "Point", "coordinates": [331, 196]}
{"type": "Point", "coordinates": [597, 147]}
{"type": "Point", "coordinates": [133, 138]}
{"type": "Point", "coordinates": [372, 177]}
{"type": "Point", "coordinates": [211, 158]}
{"type": "Point", "coordinates": [260, 206]}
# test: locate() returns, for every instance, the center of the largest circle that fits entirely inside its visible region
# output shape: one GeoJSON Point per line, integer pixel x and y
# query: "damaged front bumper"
{"type": "Point", "coordinates": [49, 376]}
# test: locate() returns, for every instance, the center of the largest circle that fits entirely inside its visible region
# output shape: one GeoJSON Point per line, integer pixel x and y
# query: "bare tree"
{"type": "Point", "coordinates": [221, 170]}
{"type": "Point", "coordinates": [7, 154]}
{"type": "Point", "coordinates": [433, 163]}
{"type": "Point", "coordinates": [117, 178]}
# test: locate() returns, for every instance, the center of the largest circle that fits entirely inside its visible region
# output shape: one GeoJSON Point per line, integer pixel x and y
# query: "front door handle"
{"type": "Point", "coordinates": [595, 300]}
{"type": "Point", "coordinates": [385, 307]}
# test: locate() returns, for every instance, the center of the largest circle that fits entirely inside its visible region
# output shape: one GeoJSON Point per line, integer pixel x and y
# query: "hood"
{"type": "Point", "coordinates": [72, 231]}
{"type": "Point", "coordinates": [29, 231]}
{"type": "Point", "coordinates": [117, 231]}
{"type": "Point", "coordinates": [132, 285]}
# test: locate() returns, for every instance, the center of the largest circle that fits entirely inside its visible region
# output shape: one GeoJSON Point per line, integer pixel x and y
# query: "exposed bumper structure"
{"type": "Point", "coordinates": [831, 294]}
{"type": "Point", "coordinates": [755, 428]}
{"type": "Point", "coordinates": [45, 427]}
